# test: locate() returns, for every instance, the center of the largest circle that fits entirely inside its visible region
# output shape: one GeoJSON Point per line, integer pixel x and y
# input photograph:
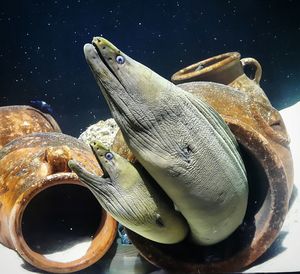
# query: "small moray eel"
{"type": "Point", "coordinates": [131, 197]}
{"type": "Point", "coordinates": [180, 140]}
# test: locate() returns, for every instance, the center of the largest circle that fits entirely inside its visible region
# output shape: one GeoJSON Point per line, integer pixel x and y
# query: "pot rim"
{"type": "Point", "coordinates": [210, 64]}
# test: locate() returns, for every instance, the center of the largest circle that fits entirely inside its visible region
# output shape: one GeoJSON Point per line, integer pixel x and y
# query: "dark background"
{"type": "Point", "coordinates": [41, 53]}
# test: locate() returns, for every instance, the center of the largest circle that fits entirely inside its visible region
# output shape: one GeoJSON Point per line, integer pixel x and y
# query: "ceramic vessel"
{"type": "Point", "coordinates": [227, 69]}
{"type": "Point", "coordinates": [37, 199]}
{"type": "Point", "coordinates": [16, 121]}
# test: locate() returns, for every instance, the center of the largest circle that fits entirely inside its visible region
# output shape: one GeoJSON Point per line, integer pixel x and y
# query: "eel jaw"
{"type": "Point", "coordinates": [91, 180]}
{"type": "Point", "coordinates": [105, 63]}
{"type": "Point", "coordinates": [95, 57]}
{"type": "Point", "coordinates": [105, 173]}
{"type": "Point", "coordinates": [106, 79]}
{"type": "Point", "coordinates": [97, 62]}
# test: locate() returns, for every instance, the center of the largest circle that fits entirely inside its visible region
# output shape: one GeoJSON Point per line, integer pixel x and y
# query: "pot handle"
{"type": "Point", "coordinates": [253, 63]}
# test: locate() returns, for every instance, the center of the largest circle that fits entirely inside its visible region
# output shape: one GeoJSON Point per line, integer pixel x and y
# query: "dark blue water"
{"type": "Point", "coordinates": [41, 54]}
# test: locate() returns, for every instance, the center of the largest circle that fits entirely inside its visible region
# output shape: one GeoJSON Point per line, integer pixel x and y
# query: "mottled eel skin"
{"type": "Point", "coordinates": [132, 198]}
{"type": "Point", "coordinates": [180, 140]}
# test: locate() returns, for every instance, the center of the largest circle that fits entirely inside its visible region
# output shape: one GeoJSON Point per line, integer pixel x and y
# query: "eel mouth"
{"type": "Point", "coordinates": [110, 84]}
{"type": "Point", "coordinates": [102, 58]}
{"type": "Point", "coordinates": [105, 173]}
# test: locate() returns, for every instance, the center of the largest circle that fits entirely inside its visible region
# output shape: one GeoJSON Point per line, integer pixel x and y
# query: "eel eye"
{"type": "Point", "coordinates": [120, 59]}
{"type": "Point", "coordinates": [109, 156]}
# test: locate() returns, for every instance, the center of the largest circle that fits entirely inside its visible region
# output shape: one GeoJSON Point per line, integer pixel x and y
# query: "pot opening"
{"type": "Point", "coordinates": [61, 221]}
{"type": "Point", "coordinates": [211, 61]}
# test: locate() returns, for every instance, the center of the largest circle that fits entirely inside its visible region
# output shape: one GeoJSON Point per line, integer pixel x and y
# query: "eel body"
{"type": "Point", "coordinates": [129, 195]}
{"type": "Point", "coordinates": [179, 139]}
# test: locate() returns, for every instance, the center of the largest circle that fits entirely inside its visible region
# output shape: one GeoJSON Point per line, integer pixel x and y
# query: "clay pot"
{"type": "Point", "coordinates": [44, 206]}
{"type": "Point", "coordinates": [264, 145]}
{"type": "Point", "coordinates": [16, 121]}
{"type": "Point", "coordinates": [227, 69]}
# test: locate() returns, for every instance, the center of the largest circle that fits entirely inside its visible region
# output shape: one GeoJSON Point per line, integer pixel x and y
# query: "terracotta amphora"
{"type": "Point", "coordinates": [44, 208]}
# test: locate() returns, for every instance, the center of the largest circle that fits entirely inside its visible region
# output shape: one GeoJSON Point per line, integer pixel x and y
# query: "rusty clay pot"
{"type": "Point", "coordinates": [264, 145]}
{"type": "Point", "coordinates": [16, 121]}
{"type": "Point", "coordinates": [40, 195]}
{"type": "Point", "coordinates": [227, 69]}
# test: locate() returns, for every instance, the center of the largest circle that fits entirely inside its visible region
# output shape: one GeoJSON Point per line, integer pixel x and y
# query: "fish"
{"type": "Point", "coordinates": [42, 106]}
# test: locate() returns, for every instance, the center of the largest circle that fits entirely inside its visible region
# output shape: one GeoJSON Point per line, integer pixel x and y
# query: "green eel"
{"type": "Point", "coordinates": [130, 196]}
{"type": "Point", "coordinates": [180, 140]}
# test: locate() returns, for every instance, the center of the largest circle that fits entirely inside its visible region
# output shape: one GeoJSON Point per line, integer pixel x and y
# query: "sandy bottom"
{"type": "Point", "coordinates": [72, 252]}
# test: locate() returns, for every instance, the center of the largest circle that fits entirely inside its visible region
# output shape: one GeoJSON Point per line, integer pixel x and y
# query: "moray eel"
{"type": "Point", "coordinates": [131, 197]}
{"type": "Point", "coordinates": [180, 140]}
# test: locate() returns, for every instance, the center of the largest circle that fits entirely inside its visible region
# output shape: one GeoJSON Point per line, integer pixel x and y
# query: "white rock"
{"type": "Point", "coordinates": [103, 131]}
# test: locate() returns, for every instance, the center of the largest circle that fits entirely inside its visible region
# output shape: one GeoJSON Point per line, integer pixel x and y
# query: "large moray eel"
{"type": "Point", "coordinates": [180, 140]}
{"type": "Point", "coordinates": [131, 197]}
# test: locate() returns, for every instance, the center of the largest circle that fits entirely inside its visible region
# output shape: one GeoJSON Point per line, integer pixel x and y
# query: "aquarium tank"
{"type": "Point", "coordinates": [74, 63]}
